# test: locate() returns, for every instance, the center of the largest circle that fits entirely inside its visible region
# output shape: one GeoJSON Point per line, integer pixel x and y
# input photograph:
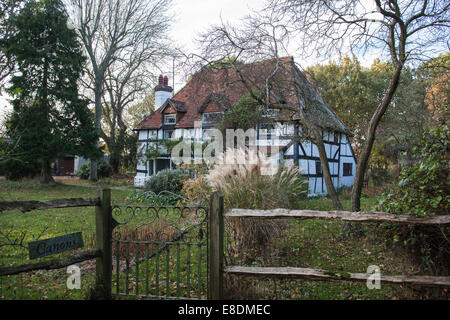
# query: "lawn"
{"type": "Point", "coordinates": [45, 224]}
{"type": "Point", "coordinates": [177, 271]}
{"type": "Point", "coordinates": [326, 245]}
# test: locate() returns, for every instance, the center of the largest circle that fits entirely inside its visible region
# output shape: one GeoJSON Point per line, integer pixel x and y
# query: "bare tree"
{"type": "Point", "coordinates": [123, 87]}
{"type": "Point", "coordinates": [129, 79]}
{"type": "Point", "coordinates": [117, 31]}
{"type": "Point", "coordinates": [227, 46]}
{"type": "Point", "coordinates": [402, 30]}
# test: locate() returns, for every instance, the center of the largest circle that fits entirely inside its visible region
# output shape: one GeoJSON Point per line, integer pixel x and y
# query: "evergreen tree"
{"type": "Point", "coordinates": [49, 119]}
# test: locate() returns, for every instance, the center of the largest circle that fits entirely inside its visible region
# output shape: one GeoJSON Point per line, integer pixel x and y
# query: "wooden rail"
{"type": "Point", "coordinates": [26, 206]}
{"type": "Point", "coordinates": [51, 264]}
{"type": "Point", "coordinates": [217, 215]}
{"type": "Point", "coordinates": [324, 275]}
{"type": "Point", "coordinates": [103, 230]}
{"type": "Point", "coordinates": [365, 216]}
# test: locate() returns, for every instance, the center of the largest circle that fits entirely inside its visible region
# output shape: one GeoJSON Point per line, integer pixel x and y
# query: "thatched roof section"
{"type": "Point", "coordinates": [316, 110]}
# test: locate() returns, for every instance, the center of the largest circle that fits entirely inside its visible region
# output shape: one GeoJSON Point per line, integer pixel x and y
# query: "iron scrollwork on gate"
{"type": "Point", "coordinates": [160, 252]}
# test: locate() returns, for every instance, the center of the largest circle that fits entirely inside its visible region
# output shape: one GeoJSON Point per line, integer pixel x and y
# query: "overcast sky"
{"type": "Point", "coordinates": [192, 17]}
{"type": "Point", "coordinates": [195, 16]}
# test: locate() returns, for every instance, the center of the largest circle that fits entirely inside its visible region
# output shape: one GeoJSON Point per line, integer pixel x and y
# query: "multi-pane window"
{"type": "Point", "coordinates": [268, 112]}
{"type": "Point", "coordinates": [170, 119]}
{"type": "Point", "coordinates": [266, 130]}
{"type": "Point", "coordinates": [168, 134]}
{"type": "Point", "coordinates": [348, 169]}
{"type": "Point", "coordinates": [211, 118]}
{"type": "Point", "coordinates": [288, 129]}
{"type": "Point", "coordinates": [318, 168]}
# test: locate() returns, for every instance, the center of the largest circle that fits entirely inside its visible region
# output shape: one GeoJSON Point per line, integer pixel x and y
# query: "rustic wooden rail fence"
{"type": "Point", "coordinates": [218, 270]}
{"type": "Point", "coordinates": [103, 251]}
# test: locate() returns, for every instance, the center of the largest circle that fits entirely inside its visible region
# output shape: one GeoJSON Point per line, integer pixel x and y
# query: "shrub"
{"type": "Point", "coordinates": [16, 169]}
{"type": "Point", "coordinates": [166, 180]}
{"type": "Point", "coordinates": [104, 170]}
{"type": "Point", "coordinates": [84, 171]}
{"type": "Point", "coordinates": [245, 186]}
{"type": "Point", "coordinates": [423, 190]}
{"type": "Point", "coordinates": [157, 200]}
{"type": "Point", "coordinates": [196, 190]}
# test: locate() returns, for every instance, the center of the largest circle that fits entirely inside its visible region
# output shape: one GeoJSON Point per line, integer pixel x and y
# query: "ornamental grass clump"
{"type": "Point", "coordinates": [246, 180]}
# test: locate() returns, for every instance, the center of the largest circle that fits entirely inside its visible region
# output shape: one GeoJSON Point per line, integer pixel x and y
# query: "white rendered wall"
{"type": "Point", "coordinates": [161, 97]}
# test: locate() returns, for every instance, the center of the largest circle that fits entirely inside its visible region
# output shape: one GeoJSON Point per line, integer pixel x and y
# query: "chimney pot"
{"type": "Point", "coordinates": [161, 79]}
{"type": "Point", "coordinates": [166, 81]}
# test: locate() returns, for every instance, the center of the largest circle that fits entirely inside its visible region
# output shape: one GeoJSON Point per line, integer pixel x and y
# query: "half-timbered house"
{"type": "Point", "coordinates": [210, 93]}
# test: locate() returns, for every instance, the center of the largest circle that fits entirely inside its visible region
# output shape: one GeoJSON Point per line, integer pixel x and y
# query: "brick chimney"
{"type": "Point", "coordinates": [162, 91]}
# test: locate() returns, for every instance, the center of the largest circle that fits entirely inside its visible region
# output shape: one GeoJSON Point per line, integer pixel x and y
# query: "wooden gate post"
{"type": "Point", "coordinates": [103, 228]}
{"type": "Point", "coordinates": [216, 227]}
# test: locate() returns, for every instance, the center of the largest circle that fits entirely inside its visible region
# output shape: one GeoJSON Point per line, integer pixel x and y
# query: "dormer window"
{"type": "Point", "coordinates": [168, 134]}
{"type": "Point", "coordinates": [268, 112]}
{"type": "Point", "coordinates": [170, 119]}
{"type": "Point", "coordinates": [211, 118]}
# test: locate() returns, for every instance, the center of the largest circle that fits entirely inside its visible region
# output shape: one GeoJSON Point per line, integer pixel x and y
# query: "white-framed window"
{"type": "Point", "coordinates": [207, 134]}
{"type": "Point", "coordinates": [170, 119]}
{"type": "Point", "coordinates": [168, 134]}
{"type": "Point", "coordinates": [288, 129]}
{"type": "Point", "coordinates": [211, 118]}
{"type": "Point", "coordinates": [268, 112]}
{"type": "Point", "coordinates": [153, 134]}
{"type": "Point", "coordinates": [266, 130]}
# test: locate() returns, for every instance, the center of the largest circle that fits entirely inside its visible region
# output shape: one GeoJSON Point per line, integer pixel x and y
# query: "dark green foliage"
{"type": "Point", "coordinates": [424, 187]}
{"type": "Point", "coordinates": [161, 148]}
{"type": "Point", "coordinates": [167, 180]}
{"type": "Point", "coordinates": [16, 169]}
{"type": "Point", "coordinates": [49, 118]}
{"type": "Point", "coordinates": [244, 114]}
{"type": "Point", "coordinates": [423, 190]}
{"type": "Point", "coordinates": [83, 172]}
{"type": "Point", "coordinates": [104, 170]}
{"type": "Point", "coordinates": [129, 153]}
{"type": "Point", "coordinates": [153, 199]}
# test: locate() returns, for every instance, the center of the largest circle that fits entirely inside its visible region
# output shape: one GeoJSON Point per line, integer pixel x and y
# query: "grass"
{"type": "Point", "coordinates": [324, 245]}
{"type": "Point", "coordinates": [308, 243]}
{"type": "Point", "coordinates": [45, 224]}
{"type": "Point", "coordinates": [177, 271]}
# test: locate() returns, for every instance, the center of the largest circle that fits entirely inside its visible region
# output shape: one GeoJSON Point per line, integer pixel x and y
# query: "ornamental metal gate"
{"type": "Point", "coordinates": [160, 252]}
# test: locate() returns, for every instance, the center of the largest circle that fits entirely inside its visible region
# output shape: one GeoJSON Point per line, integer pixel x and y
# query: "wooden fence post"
{"type": "Point", "coordinates": [216, 227]}
{"type": "Point", "coordinates": [103, 228]}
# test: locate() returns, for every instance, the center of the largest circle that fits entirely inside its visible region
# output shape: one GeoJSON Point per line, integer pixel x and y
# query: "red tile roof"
{"type": "Point", "coordinates": [224, 87]}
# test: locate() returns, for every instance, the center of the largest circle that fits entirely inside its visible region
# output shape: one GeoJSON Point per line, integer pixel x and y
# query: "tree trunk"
{"type": "Point", "coordinates": [98, 116]}
{"type": "Point", "coordinates": [363, 159]}
{"type": "Point", "coordinates": [326, 169]}
{"type": "Point", "coordinates": [46, 173]}
{"type": "Point", "coordinates": [114, 161]}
